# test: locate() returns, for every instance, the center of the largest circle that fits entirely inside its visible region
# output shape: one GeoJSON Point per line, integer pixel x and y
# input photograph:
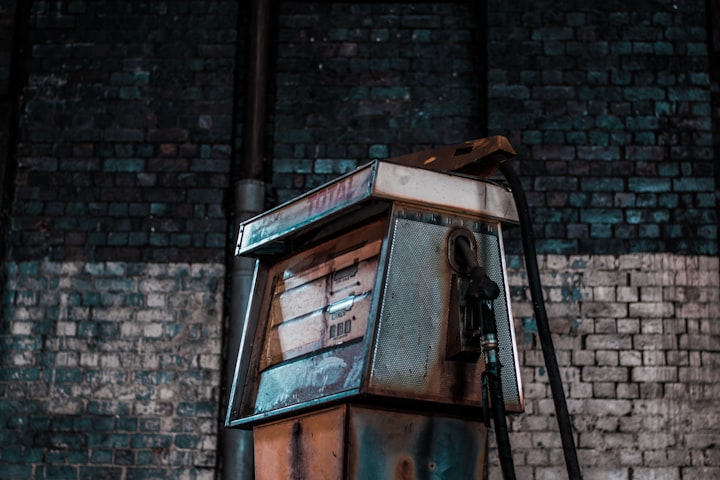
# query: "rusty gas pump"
{"type": "Point", "coordinates": [379, 320]}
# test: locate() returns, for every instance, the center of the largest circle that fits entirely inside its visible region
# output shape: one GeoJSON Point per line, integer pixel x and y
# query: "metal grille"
{"type": "Point", "coordinates": [412, 325]}
{"type": "Point", "coordinates": [409, 330]}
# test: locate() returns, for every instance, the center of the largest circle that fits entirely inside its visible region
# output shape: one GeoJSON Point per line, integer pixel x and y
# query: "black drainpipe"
{"type": "Point", "coordinates": [248, 200]}
{"type": "Point", "coordinates": [12, 100]}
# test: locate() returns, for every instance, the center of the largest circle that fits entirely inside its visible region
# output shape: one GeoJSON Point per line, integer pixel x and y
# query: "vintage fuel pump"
{"type": "Point", "coordinates": [378, 322]}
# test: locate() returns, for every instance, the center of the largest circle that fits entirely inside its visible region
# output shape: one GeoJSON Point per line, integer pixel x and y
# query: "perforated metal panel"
{"type": "Point", "coordinates": [409, 352]}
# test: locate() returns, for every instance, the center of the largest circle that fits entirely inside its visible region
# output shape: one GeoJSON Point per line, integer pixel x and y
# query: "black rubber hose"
{"type": "Point", "coordinates": [533, 272]}
{"type": "Point", "coordinates": [502, 437]}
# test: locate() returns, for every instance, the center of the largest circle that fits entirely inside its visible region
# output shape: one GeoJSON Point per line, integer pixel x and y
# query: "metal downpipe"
{"type": "Point", "coordinates": [249, 200]}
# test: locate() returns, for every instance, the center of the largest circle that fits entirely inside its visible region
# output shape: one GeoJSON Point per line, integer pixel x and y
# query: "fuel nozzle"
{"type": "Point", "coordinates": [481, 286]}
{"type": "Point", "coordinates": [471, 301]}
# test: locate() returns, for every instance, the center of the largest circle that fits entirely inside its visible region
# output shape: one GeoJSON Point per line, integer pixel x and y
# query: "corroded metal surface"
{"type": "Point", "coordinates": [350, 442]}
{"type": "Point", "coordinates": [376, 180]}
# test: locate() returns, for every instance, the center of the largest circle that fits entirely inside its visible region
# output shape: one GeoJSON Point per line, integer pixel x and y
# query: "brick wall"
{"type": "Point", "coordinates": [392, 78]}
{"type": "Point", "coordinates": [637, 339]}
{"type": "Point", "coordinates": [125, 146]}
{"type": "Point", "coordinates": [609, 107]}
{"type": "Point", "coordinates": [110, 370]}
{"type": "Point", "coordinates": [112, 327]}
{"type": "Point", "coordinates": [113, 307]}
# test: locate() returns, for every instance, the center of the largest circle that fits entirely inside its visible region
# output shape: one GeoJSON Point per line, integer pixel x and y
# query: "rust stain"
{"type": "Point", "coordinates": [405, 469]}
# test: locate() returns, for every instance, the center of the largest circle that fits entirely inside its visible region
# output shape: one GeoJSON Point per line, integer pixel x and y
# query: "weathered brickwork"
{"type": "Point", "coordinates": [609, 108]}
{"type": "Point", "coordinates": [357, 81]}
{"type": "Point", "coordinates": [125, 144]}
{"type": "Point", "coordinates": [110, 370]}
{"type": "Point", "coordinates": [130, 135]}
{"type": "Point", "coordinates": [638, 344]}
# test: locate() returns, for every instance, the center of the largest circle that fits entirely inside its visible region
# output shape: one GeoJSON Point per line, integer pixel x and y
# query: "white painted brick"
{"type": "Point", "coordinates": [580, 390]}
{"type": "Point", "coordinates": [66, 329]}
{"type": "Point", "coordinates": [652, 279]}
{"type": "Point", "coordinates": [652, 309]}
{"type": "Point", "coordinates": [630, 358]}
{"type": "Point", "coordinates": [612, 407]}
{"type": "Point", "coordinates": [89, 359]}
{"type": "Point", "coordinates": [583, 357]}
{"type": "Point", "coordinates": [600, 309]}
{"type": "Point", "coordinates": [668, 473]}
{"type": "Point", "coordinates": [607, 358]}
{"type": "Point", "coordinates": [608, 342]}
{"type": "Point", "coordinates": [67, 359]}
{"type": "Point", "coordinates": [604, 294]}
{"type": "Point", "coordinates": [651, 294]}
{"type": "Point", "coordinates": [605, 473]}
{"type": "Point", "coordinates": [607, 279]}
{"type": "Point", "coordinates": [627, 294]}
{"type": "Point", "coordinates": [654, 374]}
{"type": "Point", "coordinates": [603, 262]}
{"type": "Point", "coordinates": [605, 390]}
{"type": "Point", "coordinates": [156, 300]}
{"type": "Point", "coordinates": [605, 374]}
{"type": "Point", "coordinates": [605, 325]}
{"type": "Point", "coordinates": [628, 325]}
{"type": "Point", "coordinates": [627, 390]}
{"type": "Point", "coordinates": [22, 328]}
{"type": "Point", "coordinates": [653, 357]}
{"type": "Point", "coordinates": [630, 457]}
{"type": "Point", "coordinates": [654, 342]}
{"type": "Point", "coordinates": [153, 330]}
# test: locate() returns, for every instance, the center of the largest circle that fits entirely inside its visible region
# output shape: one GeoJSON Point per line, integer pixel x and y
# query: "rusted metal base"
{"type": "Point", "coordinates": [350, 442]}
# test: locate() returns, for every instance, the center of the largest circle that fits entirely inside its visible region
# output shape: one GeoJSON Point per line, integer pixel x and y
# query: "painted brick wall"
{"type": "Point", "coordinates": [638, 344]}
{"type": "Point", "coordinates": [110, 370]}
{"type": "Point", "coordinates": [125, 145]}
{"type": "Point", "coordinates": [609, 107]}
{"type": "Point", "coordinates": [391, 78]}
{"type": "Point", "coordinates": [112, 326]}
{"type": "Point", "coordinates": [112, 312]}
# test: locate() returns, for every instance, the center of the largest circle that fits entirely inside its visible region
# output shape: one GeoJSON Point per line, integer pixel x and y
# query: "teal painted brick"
{"type": "Point", "coordinates": [292, 165]}
{"type": "Point", "coordinates": [16, 472]}
{"type": "Point", "coordinates": [146, 474]}
{"type": "Point", "coordinates": [602, 184]}
{"type": "Point", "coordinates": [600, 230]}
{"type": "Point", "coordinates": [100, 472]}
{"type": "Point", "coordinates": [8, 374]}
{"type": "Point", "coordinates": [609, 122]}
{"type": "Point", "coordinates": [558, 246]}
{"type": "Point", "coordinates": [96, 407]}
{"type": "Point", "coordinates": [649, 231]}
{"type": "Point", "coordinates": [150, 440]}
{"type": "Point", "coordinates": [389, 93]}
{"type": "Point", "coordinates": [187, 441]}
{"type": "Point", "coordinates": [147, 457]}
{"type": "Point", "coordinates": [91, 299]}
{"type": "Point", "coordinates": [693, 184]}
{"type": "Point", "coordinates": [649, 184]}
{"type": "Point", "coordinates": [107, 440]}
{"type": "Point", "coordinates": [511, 91]}
{"type": "Point", "coordinates": [127, 424]}
{"type": "Point", "coordinates": [101, 456]}
{"type": "Point", "coordinates": [689, 94]}
{"type": "Point", "coordinates": [68, 375]}
{"type": "Point", "coordinates": [196, 409]}
{"type": "Point", "coordinates": [378, 151]}
{"type": "Point", "coordinates": [601, 216]}
{"type": "Point", "coordinates": [123, 165]}
{"type": "Point", "coordinates": [215, 240]}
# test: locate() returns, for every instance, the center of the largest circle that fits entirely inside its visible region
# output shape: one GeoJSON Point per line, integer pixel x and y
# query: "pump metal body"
{"type": "Point", "coordinates": [357, 351]}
